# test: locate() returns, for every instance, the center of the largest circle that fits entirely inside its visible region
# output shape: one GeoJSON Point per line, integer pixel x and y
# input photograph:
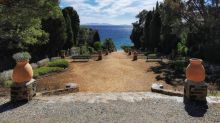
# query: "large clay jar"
{"type": "Point", "coordinates": [22, 72]}
{"type": "Point", "coordinates": [195, 71]}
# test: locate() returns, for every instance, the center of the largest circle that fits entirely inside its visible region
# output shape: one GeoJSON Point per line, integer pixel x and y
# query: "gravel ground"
{"type": "Point", "coordinates": [129, 107]}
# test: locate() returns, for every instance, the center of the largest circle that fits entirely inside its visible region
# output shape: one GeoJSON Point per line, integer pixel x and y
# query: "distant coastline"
{"type": "Point", "coordinates": [119, 33]}
{"type": "Point", "coordinates": [104, 24]}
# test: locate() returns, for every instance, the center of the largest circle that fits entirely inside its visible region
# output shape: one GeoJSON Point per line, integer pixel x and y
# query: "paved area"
{"type": "Point", "coordinates": [139, 107]}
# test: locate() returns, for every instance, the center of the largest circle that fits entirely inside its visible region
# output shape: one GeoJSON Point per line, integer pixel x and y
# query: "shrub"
{"type": "Point", "coordinates": [22, 56]}
{"type": "Point", "coordinates": [179, 65]}
{"type": "Point", "coordinates": [84, 50]}
{"type": "Point", "coordinates": [126, 48]}
{"type": "Point", "coordinates": [91, 50]}
{"type": "Point", "coordinates": [97, 45]}
{"type": "Point", "coordinates": [109, 45]}
{"type": "Point", "coordinates": [59, 63]}
{"type": "Point", "coordinates": [45, 70]}
{"type": "Point", "coordinates": [75, 51]}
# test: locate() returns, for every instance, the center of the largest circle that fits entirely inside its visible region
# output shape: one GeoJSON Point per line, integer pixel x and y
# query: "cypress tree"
{"type": "Point", "coordinates": [73, 22]}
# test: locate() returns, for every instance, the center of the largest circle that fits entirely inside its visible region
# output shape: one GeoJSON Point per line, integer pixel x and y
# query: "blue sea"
{"type": "Point", "coordinates": [119, 34]}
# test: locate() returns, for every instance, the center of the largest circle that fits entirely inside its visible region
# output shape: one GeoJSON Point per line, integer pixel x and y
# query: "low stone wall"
{"type": "Point", "coordinates": [159, 89]}
{"type": "Point", "coordinates": [70, 88]}
{"type": "Point", "coordinates": [6, 75]}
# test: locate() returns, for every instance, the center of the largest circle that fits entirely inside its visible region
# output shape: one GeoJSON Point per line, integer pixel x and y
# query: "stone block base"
{"type": "Point", "coordinates": [195, 91]}
{"type": "Point", "coordinates": [23, 91]}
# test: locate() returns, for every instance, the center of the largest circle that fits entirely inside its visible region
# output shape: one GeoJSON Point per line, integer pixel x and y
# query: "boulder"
{"type": "Point", "coordinates": [43, 62]}
{"type": "Point", "coordinates": [34, 65]}
{"type": "Point", "coordinates": [55, 58]}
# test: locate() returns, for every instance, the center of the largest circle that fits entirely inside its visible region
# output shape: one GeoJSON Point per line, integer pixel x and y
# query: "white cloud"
{"type": "Point", "coordinates": [109, 11]}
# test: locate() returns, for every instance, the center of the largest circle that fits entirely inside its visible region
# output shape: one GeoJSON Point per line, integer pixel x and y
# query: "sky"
{"type": "Point", "coordinates": [116, 12]}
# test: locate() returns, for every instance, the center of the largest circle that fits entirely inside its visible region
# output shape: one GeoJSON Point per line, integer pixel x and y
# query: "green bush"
{"type": "Point", "coordinates": [179, 65]}
{"type": "Point", "coordinates": [45, 70]}
{"type": "Point", "coordinates": [91, 50]}
{"type": "Point", "coordinates": [84, 50]}
{"type": "Point", "coordinates": [59, 63]}
{"type": "Point", "coordinates": [126, 48]}
{"type": "Point", "coordinates": [97, 45]}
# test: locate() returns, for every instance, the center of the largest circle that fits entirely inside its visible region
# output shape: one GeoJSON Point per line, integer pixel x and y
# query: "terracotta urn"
{"type": "Point", "coordinates": [195, 71]}
{"type": "Point", "coordinates": [22, 72]}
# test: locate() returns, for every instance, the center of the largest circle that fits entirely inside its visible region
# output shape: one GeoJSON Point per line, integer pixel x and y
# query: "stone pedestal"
{"type": "Point", "coordinates": [135, 56]}
{"type": "Point", "coordinates": [195, 91]}
{"type": "Point", "coordinates": [23, 91]}
{"type": "Point", "coordinates": [99, 55]}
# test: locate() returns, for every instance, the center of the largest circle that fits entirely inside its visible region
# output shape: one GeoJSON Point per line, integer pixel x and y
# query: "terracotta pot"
{"type": "Point", "coordinates": [195, 71]}
{"type": "Point", "coordinates": [22, 72]}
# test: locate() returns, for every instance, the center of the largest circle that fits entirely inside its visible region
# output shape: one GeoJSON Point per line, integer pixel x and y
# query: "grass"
{"type": "Point", "coordinates": [54, 66]}
{"type": "Point", "coordinates": [59, 63]}
{"type": "Point", "coordinates": [45, 70]}
{"type": "Point", "coordinates": [217, 94]}
{"type": "Point", "coordinates": [7, 84]}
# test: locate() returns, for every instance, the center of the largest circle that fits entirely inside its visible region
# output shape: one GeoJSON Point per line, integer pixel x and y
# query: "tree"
{"type": "Point", "coordinates": [56, 29]}
{"type": "Point", "coordinates": [109, 45]}
{"type": "Point", "coordinates": [69, 41]}
{"type": "Point", "coordinates": [154, 34]}
{"type": "Point", "coordinates": [96, 36]}
{"type": "Point", "coordinates": [72, 15]}
{"type": "Point", "coordinates": [147, 29]}
{"type": "Point", "coordinates": [18, 30]}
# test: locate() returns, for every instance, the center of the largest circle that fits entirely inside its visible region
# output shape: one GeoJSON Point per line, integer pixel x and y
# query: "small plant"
{"type": "Point", "coordinates": [182, 45]}
{"type": "Point", "coordinates": [22, 56]}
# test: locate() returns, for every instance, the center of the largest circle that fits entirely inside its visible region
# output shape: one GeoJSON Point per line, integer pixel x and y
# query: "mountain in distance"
{"type": "Point", "coordinates": [97, 24]}
{"type": "Point", "coordinates": [104, 24]}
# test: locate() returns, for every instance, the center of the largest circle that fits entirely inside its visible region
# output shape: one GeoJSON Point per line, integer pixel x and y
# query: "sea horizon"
{"type": "Point", "coordinates": [120, 34]}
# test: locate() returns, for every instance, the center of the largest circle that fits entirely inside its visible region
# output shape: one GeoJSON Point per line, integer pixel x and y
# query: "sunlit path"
{"type": "Point", "coordinates": [115, 73]}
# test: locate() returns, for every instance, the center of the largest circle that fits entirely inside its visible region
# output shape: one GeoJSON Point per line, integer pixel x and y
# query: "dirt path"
{"type": "Point", "coordinates": [115, 73]}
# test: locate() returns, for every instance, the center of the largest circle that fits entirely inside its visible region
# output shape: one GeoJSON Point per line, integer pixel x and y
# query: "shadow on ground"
{"type": "Point", "coordinates": [168, 74]}
{"type": "Point", "coordinates": [196, 108]}
{"type": "Point", "coordinates": [10, 106]}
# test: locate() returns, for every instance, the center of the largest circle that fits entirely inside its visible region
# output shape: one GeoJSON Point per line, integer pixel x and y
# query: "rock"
{"type": "Point", "coordinates": [43, 62]}
{"type": "Point", "coordinates": [72, 85]}
{"type": "Point", "coordinates": [157, 86]}
{"type": "Point", "coordinates": [34, 65]}
{"type": "Point", "coordinates": [55, 58]}
{"type": "Point", "coordinates": [6, 75]}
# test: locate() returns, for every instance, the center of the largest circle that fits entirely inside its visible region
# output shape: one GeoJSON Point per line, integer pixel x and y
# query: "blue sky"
{"type": "Point", "coordinates": [115, 12]}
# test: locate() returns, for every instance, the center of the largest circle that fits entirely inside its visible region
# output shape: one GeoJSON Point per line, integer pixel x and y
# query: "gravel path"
{"type": "Point", "coordinates": [129, 107]}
